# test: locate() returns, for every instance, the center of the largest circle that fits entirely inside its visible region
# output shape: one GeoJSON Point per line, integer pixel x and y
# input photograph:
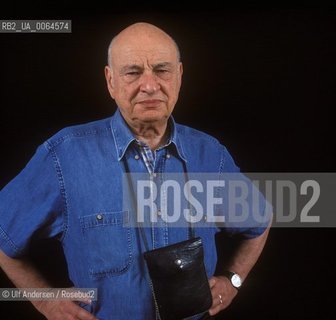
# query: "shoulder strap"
{"type": "Point", "coordinates": [124, 164]}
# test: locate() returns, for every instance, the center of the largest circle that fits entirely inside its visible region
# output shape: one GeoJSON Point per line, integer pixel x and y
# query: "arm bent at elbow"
{"type": "Point", "coordinates": [242, 262]}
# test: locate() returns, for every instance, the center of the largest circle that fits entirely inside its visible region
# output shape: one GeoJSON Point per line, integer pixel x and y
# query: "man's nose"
{"type": "Point", "coordinates": [149, 83]}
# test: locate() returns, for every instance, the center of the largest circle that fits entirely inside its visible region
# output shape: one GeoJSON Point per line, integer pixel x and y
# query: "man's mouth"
{"type": "Point", "coordinates": [150, 103]}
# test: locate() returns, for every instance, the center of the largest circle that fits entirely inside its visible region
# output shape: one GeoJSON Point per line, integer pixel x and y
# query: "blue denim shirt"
{"type": "Point", "coordinates": [71, 190]}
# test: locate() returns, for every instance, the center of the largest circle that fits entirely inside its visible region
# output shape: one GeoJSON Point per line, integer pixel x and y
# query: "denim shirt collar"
{"type": "Point", "coordinates": [123, 136]}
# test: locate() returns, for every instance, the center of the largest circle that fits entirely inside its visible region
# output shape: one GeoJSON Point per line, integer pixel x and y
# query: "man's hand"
{"type": "Point", "coordinates": [222, 293]}
{"type": "Point", "coordinates": [63, 310]}
{"type": "Point", "coordinates": [24, 275]}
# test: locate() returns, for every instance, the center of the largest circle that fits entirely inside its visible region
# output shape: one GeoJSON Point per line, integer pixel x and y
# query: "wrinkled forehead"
{"type": "Point", "coordinates": [143, 49]}
{"type": "Point", "coordinates": [143, 57]}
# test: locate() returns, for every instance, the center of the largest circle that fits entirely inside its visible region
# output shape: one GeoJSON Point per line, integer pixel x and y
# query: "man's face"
{"type": "Point", "coordinates": [145, 78]}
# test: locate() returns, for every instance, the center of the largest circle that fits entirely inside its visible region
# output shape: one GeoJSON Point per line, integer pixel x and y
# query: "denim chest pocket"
{"type": "Point", "coordinates": [108, 243]}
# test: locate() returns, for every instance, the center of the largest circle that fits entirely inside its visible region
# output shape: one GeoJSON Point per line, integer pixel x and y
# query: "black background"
{"type": "Point", "coordinates": [259, 78]}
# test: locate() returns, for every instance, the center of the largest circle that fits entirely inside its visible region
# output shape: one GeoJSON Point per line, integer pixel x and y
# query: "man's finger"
{"type": "Point", "coordinates": [212, 282]}
{"type": "Point", "coordinates": [214, 310]}
{"type": "Point", "coordinates": [84, 300]}
{"type": "Point", "coordinates": [82, 314]}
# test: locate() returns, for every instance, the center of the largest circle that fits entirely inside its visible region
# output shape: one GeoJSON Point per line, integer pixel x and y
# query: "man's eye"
{"type": "Point", "coordinates": [133, 73]}
{"type": "Point", "coordinates": [161, 71]}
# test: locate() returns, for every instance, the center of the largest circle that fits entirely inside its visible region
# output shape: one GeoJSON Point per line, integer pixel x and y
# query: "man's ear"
{"type": "Point", "coordinates": [109, 80]}
{"type": "Point", "coordinates": [180, 69]}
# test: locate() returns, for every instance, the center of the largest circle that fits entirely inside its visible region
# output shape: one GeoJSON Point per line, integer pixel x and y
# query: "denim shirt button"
{"type": "Point", "coordinates": [168, 156]}
{"type": "Point", "coordinates": [136, 157]}
{"type": "Point", "coordinates": [99, 216]}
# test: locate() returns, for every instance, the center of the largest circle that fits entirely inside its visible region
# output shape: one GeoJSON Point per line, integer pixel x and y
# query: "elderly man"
{"type": "Point", "coordinates": [70, 190]}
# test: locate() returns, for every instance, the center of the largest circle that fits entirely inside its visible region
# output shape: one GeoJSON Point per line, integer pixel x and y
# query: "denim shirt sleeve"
{"type": "Point", "coordinates": [32, 205]}
{"type": "Point", "coordinates": [251, 227]}
{"type": "Point", "coordinates": [227, 163]}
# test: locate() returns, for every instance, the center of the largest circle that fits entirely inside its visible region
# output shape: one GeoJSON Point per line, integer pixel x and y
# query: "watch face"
{"type": "Point", "coordinates": [236, 281]}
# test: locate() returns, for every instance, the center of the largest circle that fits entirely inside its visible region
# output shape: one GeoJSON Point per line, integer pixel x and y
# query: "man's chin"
{"type": "Point", "coordinates": [149, 120]}
{"type": "Point", "coordinates": [152, 116]}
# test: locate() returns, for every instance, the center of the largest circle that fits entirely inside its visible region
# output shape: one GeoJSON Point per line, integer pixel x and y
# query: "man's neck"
{"type": "Point", "coordinates": [153, 135]}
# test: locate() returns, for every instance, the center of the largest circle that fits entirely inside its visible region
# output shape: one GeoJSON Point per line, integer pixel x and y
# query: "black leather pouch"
{"type": "Point", "coordinates": [179, 281]}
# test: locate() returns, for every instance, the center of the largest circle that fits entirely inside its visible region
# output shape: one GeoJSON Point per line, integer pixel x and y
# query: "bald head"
{"type": "Point", "coordinates": [141, 36]}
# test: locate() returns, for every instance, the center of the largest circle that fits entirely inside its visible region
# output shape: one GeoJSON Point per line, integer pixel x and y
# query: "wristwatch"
{"type": "Point", "coordinates": [234, 278]}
